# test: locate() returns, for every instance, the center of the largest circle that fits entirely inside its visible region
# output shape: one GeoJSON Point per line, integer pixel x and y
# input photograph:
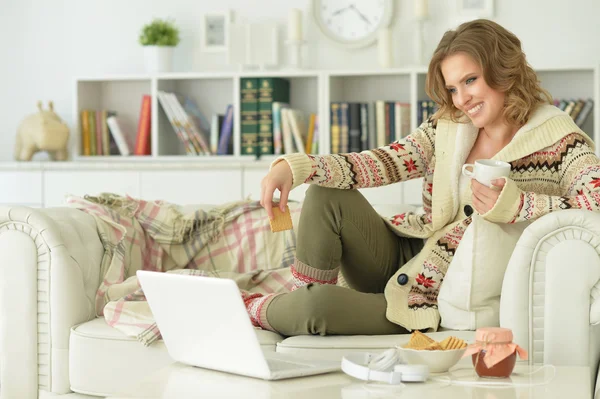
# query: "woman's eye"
{"type": "Point", "coordinates": [470, 80]}
{"type": "Point", "coordinates": [452, 90]}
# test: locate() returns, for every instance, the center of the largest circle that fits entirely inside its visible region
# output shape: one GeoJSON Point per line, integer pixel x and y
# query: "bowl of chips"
{"type": "Point", "coordinates": [438, 356]}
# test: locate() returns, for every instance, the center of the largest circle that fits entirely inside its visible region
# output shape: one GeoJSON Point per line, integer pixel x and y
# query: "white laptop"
{"type": "Point", "coordinates": [204, 323]}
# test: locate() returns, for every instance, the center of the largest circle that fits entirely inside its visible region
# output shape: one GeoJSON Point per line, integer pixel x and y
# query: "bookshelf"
{"type": "Point", "coordinates": [310, 91]}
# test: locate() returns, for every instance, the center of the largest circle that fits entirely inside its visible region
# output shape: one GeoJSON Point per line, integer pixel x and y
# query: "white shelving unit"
{"type": "Point", "coordinates": [310, 91]}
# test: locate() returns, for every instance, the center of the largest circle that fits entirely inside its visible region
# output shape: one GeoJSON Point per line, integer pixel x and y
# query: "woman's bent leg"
{"type": "Point", "coordinates": [330, 310]}
{"type": "Point", "coordinates": [341, 228]}
{"type": "Point", "coordinates": [338, 228]}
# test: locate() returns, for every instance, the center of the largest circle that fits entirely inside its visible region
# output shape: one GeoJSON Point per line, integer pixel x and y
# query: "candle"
{"type": "Point", "coordinates": [421, 8]}
{"type": "Point", "coordinates": [384, 48]}
{"type": "Point", "coordinates": [295, 25]}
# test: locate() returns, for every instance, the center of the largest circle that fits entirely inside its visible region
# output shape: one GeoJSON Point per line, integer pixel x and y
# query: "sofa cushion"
{"type": "Point", "coordinates": [335, 347]}
{"type": "Point", "coordinates": [470, 295]}
{"type": "Point", "coordinates": [104, 361]}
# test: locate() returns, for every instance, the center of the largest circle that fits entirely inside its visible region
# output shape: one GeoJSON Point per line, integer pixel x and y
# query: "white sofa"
{"type": "Point", "coordinates": [51, 341]}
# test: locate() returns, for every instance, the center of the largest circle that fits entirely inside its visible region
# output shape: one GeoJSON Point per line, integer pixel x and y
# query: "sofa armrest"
{"type": "Point", "coordinates": [551, 290]}
{"type": "Point", "coordinates": [49, 271]}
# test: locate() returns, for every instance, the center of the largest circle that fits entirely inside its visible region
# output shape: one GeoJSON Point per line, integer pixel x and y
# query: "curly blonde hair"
{"type": "Point", "coordinates": [498, 52]}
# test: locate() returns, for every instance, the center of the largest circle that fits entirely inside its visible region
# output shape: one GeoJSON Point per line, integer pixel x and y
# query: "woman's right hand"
{"type": "Point", "coordinates": [279, 177]}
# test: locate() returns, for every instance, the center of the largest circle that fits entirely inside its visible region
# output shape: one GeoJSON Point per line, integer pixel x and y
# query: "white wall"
{"type": "Point", "coordinates": [44, 43]}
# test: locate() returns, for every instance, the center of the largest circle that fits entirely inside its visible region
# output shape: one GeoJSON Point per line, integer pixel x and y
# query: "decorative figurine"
{"type": "Point", "coordinates": [42, 131]}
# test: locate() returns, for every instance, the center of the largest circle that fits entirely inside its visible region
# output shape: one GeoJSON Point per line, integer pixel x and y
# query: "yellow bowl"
{"type": "Point", "coordinates": [438, 361]}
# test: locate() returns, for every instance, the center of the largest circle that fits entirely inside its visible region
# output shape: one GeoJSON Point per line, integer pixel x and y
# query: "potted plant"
{"type": "Point", "coordinates": [158, 38]}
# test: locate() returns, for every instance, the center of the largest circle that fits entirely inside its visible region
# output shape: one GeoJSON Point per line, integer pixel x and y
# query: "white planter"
{"type": "Point", "coordinates": [158, 58]}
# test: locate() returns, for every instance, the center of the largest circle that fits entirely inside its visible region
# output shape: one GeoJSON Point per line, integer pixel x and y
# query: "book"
{"type": "Point", "coordinates": [269, 90]}
{"type": "Point", "coordinates": [402, 119]}
{"type": "Point", "coordinates": [226, 132]}
{"type": "Point", "coordinates": [315, 143]}
{"type": "Point", "coordinates": [364, 126]}
{"type": "Point", "coordinates": [288, 140]}
{"type": "Point", "coordinates": [389, 122]}
{"type": "Point", "coordinates": [310, 134]}
{"type": "Point", "coordinates": [105, 133]}
{"type": "Point", "coordinates": [163, 99]}
{"type": "Point", "coordinates": [334, 126]}
{"type": "Point", "coordinates": [585, 112]}
{"type": "Point", "coordinates": [119, 135]}
{"type": "Point", "coordinates": [215, 127]}
{"type": "Point", "coordinates": [85, 132]}
{"type": "Point", "coordinates": [298, 127]}
{"type": "Point", "coordinates": [200, 146]}
{"type": "Point", "coordinates": [344, 131]}
{"type": "Point", "coordinates": [92, 130]}
{"type": "Point", "coordinates": [99, 120]}
{"type": "Point", "coordinates": [380, 123]}
{"type": "Point", "coordinates": [277, 133]}
{"type": "Point", "coordinates": [142, 143]}
{"type": "Point", "coordinates": [354, 142]}
{"type": "Point", "coordinates": [199, 120]}
{"type": "Point", "coordinates": [112, 144]}
{"type": "Point", "coordinates": [249, 115]}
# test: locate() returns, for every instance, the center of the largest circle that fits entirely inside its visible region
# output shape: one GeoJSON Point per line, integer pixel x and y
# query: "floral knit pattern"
{"type": "Point", "coordinates": [402, 160]}
{"type": "Point", "coordinates": [567, 173]}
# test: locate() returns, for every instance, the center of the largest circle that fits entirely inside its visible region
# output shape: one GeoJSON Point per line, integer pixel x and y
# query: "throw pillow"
{"type": "Point", "coordinates": [470, 294]}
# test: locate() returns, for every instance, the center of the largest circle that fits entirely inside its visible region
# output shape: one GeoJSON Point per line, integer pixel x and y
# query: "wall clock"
{"type": "Point", "coordinates": [352, 23]}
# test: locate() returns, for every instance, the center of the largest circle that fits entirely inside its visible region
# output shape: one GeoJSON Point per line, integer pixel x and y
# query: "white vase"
{"type": "Point", "coordinates": [158, 58]}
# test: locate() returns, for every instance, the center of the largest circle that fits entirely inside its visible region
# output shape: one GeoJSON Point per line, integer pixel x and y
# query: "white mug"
{"type": "Point", "coordinates": [486, 170]}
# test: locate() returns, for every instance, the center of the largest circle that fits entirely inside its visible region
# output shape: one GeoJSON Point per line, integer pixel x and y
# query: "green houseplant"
{"type": "Point", "coordinates": [158, 39]}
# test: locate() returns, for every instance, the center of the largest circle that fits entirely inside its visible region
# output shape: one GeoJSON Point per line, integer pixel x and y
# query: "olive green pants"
{"type": "Point", "coordinates": [340, 230]}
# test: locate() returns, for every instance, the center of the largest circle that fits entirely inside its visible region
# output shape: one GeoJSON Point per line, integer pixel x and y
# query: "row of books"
{"type": "Point", "coordinates": [579, 109]}
{"type": "Point", "coordinates": [197, 135]}
{"type": "Point", "coordinates": [351, 130]}
{"type": "Point", "coordinates": [269, 125]}
{"type": "Point", "coordinates": [102, 132]}
{"type": "Point", "coordinates": [293, 131]}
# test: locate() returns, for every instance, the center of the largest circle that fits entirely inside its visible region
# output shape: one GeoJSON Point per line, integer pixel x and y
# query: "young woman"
{"type": "Point", "coordinates": [491, 105]}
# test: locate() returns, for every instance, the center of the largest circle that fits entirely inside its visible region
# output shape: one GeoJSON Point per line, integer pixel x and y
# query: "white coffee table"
{"type": "Point", "coordinates": [181, 381]}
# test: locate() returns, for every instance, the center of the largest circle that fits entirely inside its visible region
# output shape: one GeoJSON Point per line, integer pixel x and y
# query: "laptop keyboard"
{"type": "Point", "coordinates": [281, 365]}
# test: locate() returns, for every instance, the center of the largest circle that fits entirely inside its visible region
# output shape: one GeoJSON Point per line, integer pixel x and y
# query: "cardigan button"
{"type": "Point", "coordinates": [468, 210]}
{"type": "Point", "coordinates": [402, 279]}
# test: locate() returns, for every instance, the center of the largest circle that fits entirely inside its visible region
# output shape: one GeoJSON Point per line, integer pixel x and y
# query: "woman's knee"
{"type": "Point", "coordinates": [319, 307]}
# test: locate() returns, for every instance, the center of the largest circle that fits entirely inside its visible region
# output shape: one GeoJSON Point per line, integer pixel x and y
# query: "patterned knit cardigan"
{"type": "Point", "coordinates": [553, 167]}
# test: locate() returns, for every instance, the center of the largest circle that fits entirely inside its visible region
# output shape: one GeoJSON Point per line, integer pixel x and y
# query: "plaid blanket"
{"type": "Point", "coordinates": [230, 241]}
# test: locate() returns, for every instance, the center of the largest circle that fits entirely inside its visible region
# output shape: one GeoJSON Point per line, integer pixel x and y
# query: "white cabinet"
{"type": "Point", "coordinates": [181, 184]}
{"type": "Point", "coordinates": [58, 183]}
{"type": "Point", "coordinates": [213, 186]}
{"type": "Point", "coordinates": [21, 188]}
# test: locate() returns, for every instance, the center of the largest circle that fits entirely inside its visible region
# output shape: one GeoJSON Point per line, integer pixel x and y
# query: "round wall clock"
{"type": "Point", "coordinates": [352, 23]}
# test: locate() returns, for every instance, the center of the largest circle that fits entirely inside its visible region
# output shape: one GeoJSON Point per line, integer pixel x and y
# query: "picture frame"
{"type": "Point", "coordinates": [215, 31]}
{"type": "Point", "coordinates": [476, 8]}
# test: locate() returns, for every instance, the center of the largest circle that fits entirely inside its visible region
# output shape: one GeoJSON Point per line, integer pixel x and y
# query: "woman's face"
{"type": "Point", "coordinates": [469, 91]}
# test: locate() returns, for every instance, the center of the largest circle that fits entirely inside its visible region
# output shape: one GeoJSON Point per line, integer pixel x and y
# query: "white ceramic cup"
{"type": "Point", "coordinates": [486, 170]}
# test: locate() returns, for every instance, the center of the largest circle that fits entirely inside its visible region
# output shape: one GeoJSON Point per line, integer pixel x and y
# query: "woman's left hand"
{"type": "Point", "coordinates": [484, 198]}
